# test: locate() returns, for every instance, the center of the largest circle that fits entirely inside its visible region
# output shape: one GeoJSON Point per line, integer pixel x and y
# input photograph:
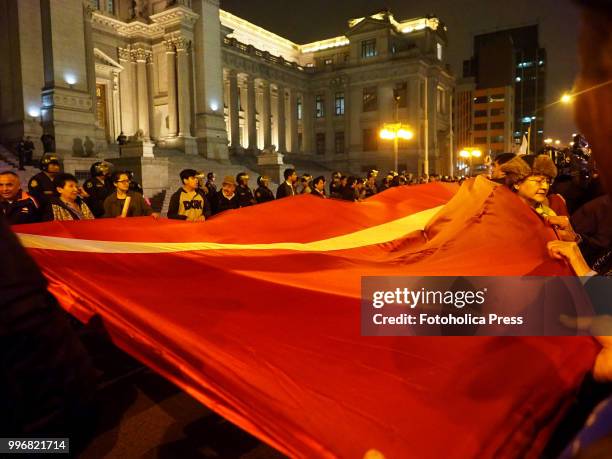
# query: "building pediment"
{"type": "Point", "coordinates": [104, 62]}
{"type": "Point", "coordinates": [369, 24]}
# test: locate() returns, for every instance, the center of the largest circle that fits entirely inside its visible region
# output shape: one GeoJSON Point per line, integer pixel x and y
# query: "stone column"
{"type": "Point", "coordinates": [330, 115]}
{"type": "Point", "coordinates": [184, 109]}
{"type": "Point", "coordinates": [308, 123]}
{"type": "Point", "coordinates": [251, 113]}
{"type": "Point", "coordinates": [117, 124]}
{"type": "Point", "coordinates": [143, 92]}
{"type": "Point", "coordinates": [282, 133]}
{"type": "Point", "coordinates": [171, 69]}
{"type": "Point", "coordinates": [266, 116]}
{"type": "Point", "coordinates": [293, 122]}
{"type": "Point", "coordinates": [153, 132]}
{"type": "Point", "coordinates": [210, 125]}
{"type": "Point", "coordinates": [347, 118]}
{"type": "Point", "coordinates": [234, 110]}
{"type": "Point", "coordinates": [127, 118]}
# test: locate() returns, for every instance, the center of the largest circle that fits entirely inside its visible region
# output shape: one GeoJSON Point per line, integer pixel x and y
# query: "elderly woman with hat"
{"type": "Point", "coordinates": [530, 178]}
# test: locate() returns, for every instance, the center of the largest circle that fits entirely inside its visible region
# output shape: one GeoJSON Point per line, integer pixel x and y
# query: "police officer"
{"type": "Point", "coordinates": [98, 187]}
{"type": "Point", "coordinates": [263, 193]}
{"type": "Point", "coordinates": [41, 186]}
{"type": "Point", "coordinates": [243, 192]}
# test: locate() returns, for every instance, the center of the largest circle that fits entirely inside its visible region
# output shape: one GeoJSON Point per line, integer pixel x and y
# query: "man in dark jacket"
{"type": "Point", "coordinates": [318, 187]}
{"type": "Point", "coordinates": [41, 186]}
{"type": "Point", "coordinates": [98, 186]}
{"type": "Point", "coordinates": [287, 188]}
{"type": "Point", "coordinates": [16, 205]}
{"type": "Point", "coordinates": [226, 198]}
{"type": "Point", "coordinates": [263, 193]}
{"type": "Point", "coordinates": [243, 192]}
{"type": "Point", "coordinates": [189, 202]}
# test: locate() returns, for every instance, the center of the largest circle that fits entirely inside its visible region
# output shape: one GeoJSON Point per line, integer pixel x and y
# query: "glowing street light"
{"type": "Point", "coordinates": [470, 153]}
{"type": "Point", "coordinates": [548, 141]}
{"type": "Point", "coordinates": [557, 142]}
{"type": "Point", "coordinates": [395, 131]}
{"type": "Point", "coordinates": [566, 98]}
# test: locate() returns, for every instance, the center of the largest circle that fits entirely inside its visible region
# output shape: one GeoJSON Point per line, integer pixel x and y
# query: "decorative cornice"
{"type": "Point", "coordinates": [126, 29]}
{"type": "Point", "coordinates": [179, 15]}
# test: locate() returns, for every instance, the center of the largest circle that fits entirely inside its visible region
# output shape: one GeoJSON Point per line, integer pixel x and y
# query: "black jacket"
{"type": "Point", "coordinates": [23, 209]}
{"type": "Point", "coordinates": [245, 196]}
{"type": "Point", "coordinates": [263, 194]}
{"type": "Point", "coordinates": [284, 190]}
{"type": "Point", "coordinates": [42, 189]}
{"type": "Point", "coordinates": [222, 203]}
{"type": "Point", "coordinates": [98, 192]}
{"type": "Point", "coordinates": [318, 194]}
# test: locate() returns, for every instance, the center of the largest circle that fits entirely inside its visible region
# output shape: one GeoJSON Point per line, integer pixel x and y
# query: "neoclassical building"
{"type": "Point", "coordinates": [187, 77]}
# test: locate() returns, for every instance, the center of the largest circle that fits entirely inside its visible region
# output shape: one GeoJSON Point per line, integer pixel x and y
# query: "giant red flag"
{"type": "Point", "coordinates": [256, 313]}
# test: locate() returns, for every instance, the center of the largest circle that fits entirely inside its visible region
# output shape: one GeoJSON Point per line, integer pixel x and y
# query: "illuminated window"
{"type": "Point", "coordinates": [319, 106]}
{"type": "Point", "coordinates": [329, 61]}
{"type": "Point", "coordinates": [320, 143]}
{"type": "Point", "coordinates": [339, 143]}
{"type": "Point", "coordinates": [370, 99]}
{"type": "Point", "coordinates": [339, 103]}
{"type": "Point", "coordinates": [497, 98]}
{"type": "Point", "coordinates": [110, 6]}
{"type": "Point", "coordinates": [368, 48]}
{"type": "Point", "coordinates": [299, 108]}
{"type": "Point", "coordinates": [439, 51]}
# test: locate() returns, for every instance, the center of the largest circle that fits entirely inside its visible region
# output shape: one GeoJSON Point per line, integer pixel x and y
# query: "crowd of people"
{"type": "Point", "coordinates": [562, 189]}
{"type": "Point", "coordinates": [54, 195]}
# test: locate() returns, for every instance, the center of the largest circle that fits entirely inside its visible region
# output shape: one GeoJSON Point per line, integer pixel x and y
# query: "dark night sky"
{"type": "Point", "coordinates": [313, 20]}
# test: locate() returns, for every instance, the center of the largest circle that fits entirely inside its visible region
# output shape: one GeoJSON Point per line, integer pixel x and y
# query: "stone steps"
{"type": "Point", "coordinates": [10, 162]}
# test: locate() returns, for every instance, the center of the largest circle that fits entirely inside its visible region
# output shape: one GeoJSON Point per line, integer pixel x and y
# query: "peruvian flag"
{"type": "Point", "coordinates": [256, 313]}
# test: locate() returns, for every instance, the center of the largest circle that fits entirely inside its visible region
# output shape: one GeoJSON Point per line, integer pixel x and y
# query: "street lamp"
{"type": "Point", "coordinates": [470, 153]}
{"type": "Point", "coordinates": [566, 98]}
{"type": "Point", "coordinates": [396, 131]}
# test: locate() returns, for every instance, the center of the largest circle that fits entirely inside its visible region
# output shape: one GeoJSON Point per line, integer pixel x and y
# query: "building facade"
{"type": "Point", "coordinates": [493, 120]}
{"type": "Point", "coordinates": [190, 78]}
{"type": "Point", "coordinates": [514, 58]}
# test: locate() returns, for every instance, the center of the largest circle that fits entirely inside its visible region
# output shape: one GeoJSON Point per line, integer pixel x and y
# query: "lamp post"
{"type": "Point", "coordinates": [396, 131]}
{"type": "Point", "coordinates": [470, 153]}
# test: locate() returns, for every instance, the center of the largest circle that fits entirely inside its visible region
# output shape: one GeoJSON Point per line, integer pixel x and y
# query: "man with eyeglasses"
{"type": "Point", "coordinates": [124, 202]}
